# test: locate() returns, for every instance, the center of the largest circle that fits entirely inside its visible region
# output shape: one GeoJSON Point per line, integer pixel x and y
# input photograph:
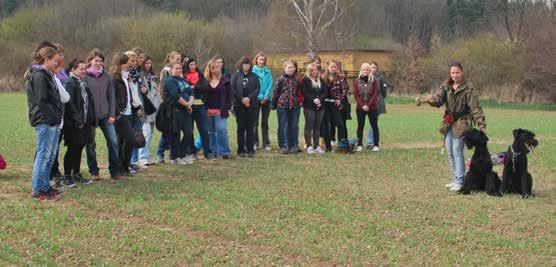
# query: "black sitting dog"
{"type": "Point", "coordinates": [516, 178]}
{"type": "Point", "coordinates": [480, 176]}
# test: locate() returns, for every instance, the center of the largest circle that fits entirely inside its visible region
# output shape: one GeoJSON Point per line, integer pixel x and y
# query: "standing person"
{"type": "Point", "coordinates": [138, 88]}
{"type": "Point", "coordinates": [180, 97]}
{"type": "Point", "coordinates": [218, 101]}
{"type": "Point", "coordinates": [164, 142]}
{"type": "Point", "coordinates": [314, 92]}
{"type": "Point", "coordinates": [151, 96]}
{"type": "Point", "coordinates": [45, 115]}
{"type": "Point", "coordinates": [285, 101]}
{"type": "Point", "coordinates": [80, 121]}
{"type": "Point", "coordinates": [265, 80]}
{"type": "Point", "coordinates": [369, 95]}
{"type": "Point", "coordinates": [384, 89]}
{"type": "Point", "coordinates": [199, 115]}
{"type": "Point", "coordinates": [463, 109]}
{"type": "Point", "coordinates": [334, 105]}
{"type": "Point", "coordinates": [225, 72]}
{"type": "Point", "coordinates": [124, 110]}
{"type": "Point", "coordinates": [101, 85]}
{"type": "Point", "coordinates": [245, 89]}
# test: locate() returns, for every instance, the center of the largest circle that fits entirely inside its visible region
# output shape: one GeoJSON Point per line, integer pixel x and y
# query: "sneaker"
{"type": "Point", "coordinates": [319, 150]}
{"type": "Point", "coordinates": [95, 177]}
{"type": "Point", "coordinates": [80, 179]}
{"type": "Point", "coordinates": [455, 187]}
{"type": "Point", "coordinates": [376, 149]}
{"type": "Point", "coordinates": [284, 151]}
{"type": "Point", "coordinates": [242, 154]}
{"type": "Point", "coordinates": [333, 143]}
{"type": "Point", "coordinates": [69, 182]}
{"type": "Point", "coordinates": [177, 161]}
{"type": "Point", "coordinates": [294, 150]}
{"type": "Point", "coordinates": [131, 171]}
{"type": "Point", "coordinates": [227, 157]}
{"type": "Point", "coordinates": [449, 185]}
{"type": "Point", "coordinates": [136, 167]}
{"type": "Point", "coordinates": [310, 150]}
{"type": "Point", "coordinates": [54, 192]}
{"type": "Point", "coordinates": [120, 176]}
{"type": "Point", "coordinates": [45, 197]}
{"type": "Point", "coordinates": [255, 147]}
{"type": "Point", "coordinates": [210, 157]}
{"type": "Point", "coordinates": [188, 159]}
{"type": "Point", "coordinates": [267, 148]}
{"type": "Point", "coordinates": [159, 160]}
{"type": "Point", "coordinates": [359, 149]}
{"type": "Point", "coordinates": [57, 180]}
{"type": "Point", "coordinates": [251, 154]}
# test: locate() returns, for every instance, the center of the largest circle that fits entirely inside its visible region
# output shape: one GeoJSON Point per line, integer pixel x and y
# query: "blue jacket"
{"type": "Point", "coordinates": [176, 87]}
{"type": "Point", "coordinates": [265, 80]}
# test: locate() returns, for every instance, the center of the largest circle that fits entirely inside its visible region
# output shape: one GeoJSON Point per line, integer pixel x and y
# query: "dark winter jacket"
{"type": "Point", "coordinates": [43, 98]}
{"type": "Point", "coordinates": [78, 129]}
{"type": "Point", "coordinates": [285, 92]}
{"type": "Point", "coordinates": [311, 93]}
{"type": "Point", "coordinates": [245, 85]}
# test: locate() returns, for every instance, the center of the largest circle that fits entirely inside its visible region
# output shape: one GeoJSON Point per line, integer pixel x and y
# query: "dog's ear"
{"type": "Point", "coordinates": [516, 133]}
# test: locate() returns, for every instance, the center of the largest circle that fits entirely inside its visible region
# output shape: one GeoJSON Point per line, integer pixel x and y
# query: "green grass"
{"type": "Point", "coordinates": [362, 209]}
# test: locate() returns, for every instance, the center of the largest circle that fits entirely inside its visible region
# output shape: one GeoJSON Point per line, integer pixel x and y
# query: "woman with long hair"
{"type": "Point", "coordinates": [104, 98]}
{"type": "Point", "coordinates": [218, 102]}
{"type": "Point", "coordinates": [245, 89]}
{"type": "Point", "coordinates": [199, 116]}
{"type": "Point", "coordinates": [334, 105]}
{"type": "Point", "coordinates": [463, 110]}
{"type": "Point", "coordinates": [180, 98]}
{"type": "Point", "coordinates": [45, 115]}
{"type": "Point", "coordinates": [124, 109]}
{"type": "Point", "coordinates": [314, 92]}
{"type": "Point", "coordinates": [164, 142]}
{"type": "Point", "coordinates": [151, 101]}
{"type": "Point", "coordinates": [285, 101]}
{"type": "Point", "coordinates": [369, 96]}
{"type": "Point", "coordinates": [80, 120]}
{"type": "Point", "coordinates": [265, 79]}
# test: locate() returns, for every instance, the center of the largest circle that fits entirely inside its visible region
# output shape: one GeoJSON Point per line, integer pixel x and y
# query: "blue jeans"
{"type": "Point", "coordinates": [145, 153]}
{"type": "Point", "coordinates": [47, 144]}
{"type": "Point", "coordinates": [454, 147]}
{"type": "Point", "coordinates": [200, 118]}
{"type": "Point", "coordinates": [137, 125]}
{"type": "Point", "coordinates": [163, 145]}
{"type": "Point", "coordinates": [111, 137]}
{"type": "Point", "coordinates": [218, 135]}
{"type": "Point", "coordinates": [288, 128]}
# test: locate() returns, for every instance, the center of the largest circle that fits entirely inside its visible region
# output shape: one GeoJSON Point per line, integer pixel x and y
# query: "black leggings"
{"type": "Point", "coordinates": [246, 119]}
{"type": "Point", "coordinates": [126, 140]}
{"type": "Point", "coordinates": [333, 119]}
{"type": "Point", "coordinates": [72, 159]}
{"type": "Point", "coordinates": [373, 119]}
{"type": "Point", "coordinates": [182, 138]}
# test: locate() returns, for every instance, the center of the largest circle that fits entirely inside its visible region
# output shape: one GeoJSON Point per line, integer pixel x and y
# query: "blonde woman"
{"type": "Point", "coordinates": [369, 96]}
{"type": "Point", "coordinates": [314, 91]}
{"type": "Point", "coordinates": [164, 142]}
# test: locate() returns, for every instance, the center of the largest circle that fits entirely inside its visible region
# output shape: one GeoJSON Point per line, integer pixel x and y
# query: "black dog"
{"type": "Point", "coordinates": [516, 178]}
{"type": "Point", "coordinates": [480, 176]}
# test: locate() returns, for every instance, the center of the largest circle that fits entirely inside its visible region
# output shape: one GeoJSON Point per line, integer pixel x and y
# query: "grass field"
{"type": "Point", "coordinates": [387, 208]}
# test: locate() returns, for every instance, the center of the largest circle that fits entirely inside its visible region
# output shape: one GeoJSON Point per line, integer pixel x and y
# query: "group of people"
{"type": "Point", "coordinates": [128, 101]}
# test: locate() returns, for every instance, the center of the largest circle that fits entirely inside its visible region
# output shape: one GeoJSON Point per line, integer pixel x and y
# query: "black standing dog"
{"type": "Point", "coordinates": [480, 176]}
{"type": "Point", "coordinates": [516, 178]}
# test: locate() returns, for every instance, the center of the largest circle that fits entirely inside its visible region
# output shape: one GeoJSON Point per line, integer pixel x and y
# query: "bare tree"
{"type": "Point", "coordinates": [511, 15]}
{"type": "Point", "coordinates": [316, 16]}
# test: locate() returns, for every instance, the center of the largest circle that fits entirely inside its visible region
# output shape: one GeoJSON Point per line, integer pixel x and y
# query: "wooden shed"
{"type": "Point", "coordinates": [350, 60]}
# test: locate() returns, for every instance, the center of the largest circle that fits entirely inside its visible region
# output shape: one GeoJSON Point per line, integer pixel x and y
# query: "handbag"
{"type": "Point", "coordinates": [139, 139]}
{"type": "Point", "coordinates": [148, 105]}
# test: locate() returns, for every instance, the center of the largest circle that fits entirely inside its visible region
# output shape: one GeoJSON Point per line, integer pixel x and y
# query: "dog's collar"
{"type": "Point", "coordinates": [514, 156]}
